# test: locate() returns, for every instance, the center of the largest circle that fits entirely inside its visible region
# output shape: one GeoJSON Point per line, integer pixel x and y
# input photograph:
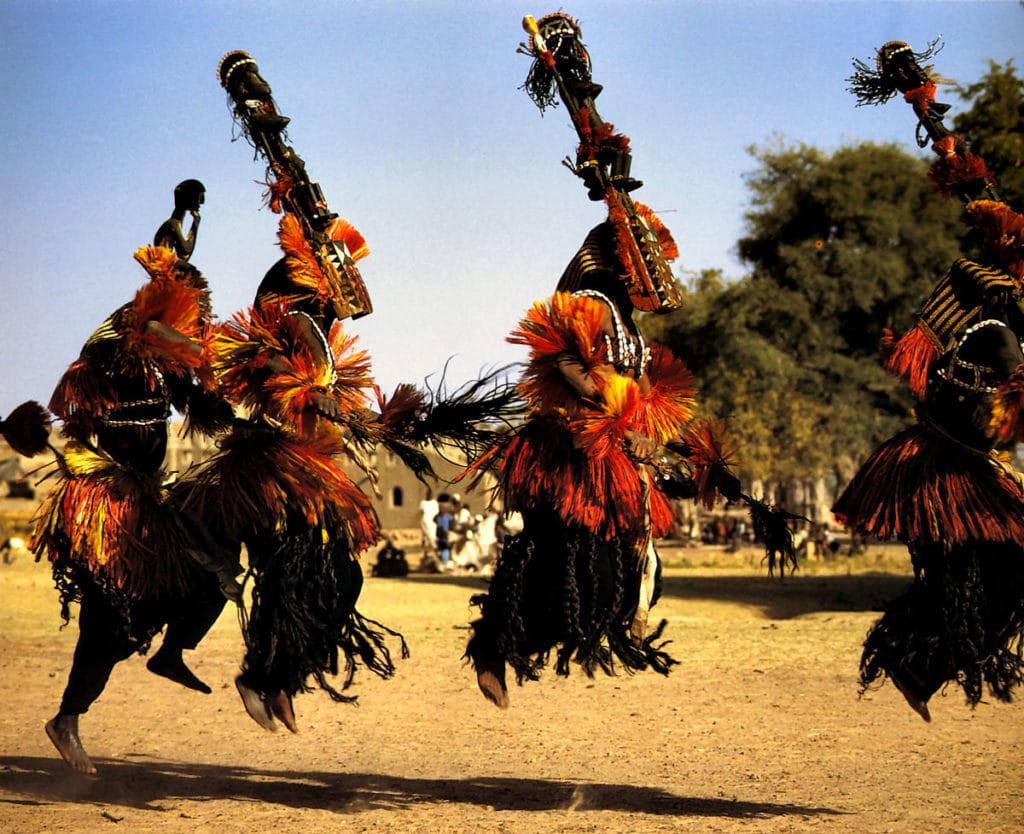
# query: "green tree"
{"type": "Point", "coordinates": [841, 246]}
{"type": "Point", "coordinates": [994, 126]}
{"type": "Point", "coordinates": [746, 378]}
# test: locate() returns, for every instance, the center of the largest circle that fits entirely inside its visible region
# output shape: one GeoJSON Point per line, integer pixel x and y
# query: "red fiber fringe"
{"type": "Point", "coordinates": [242, 347]}
{"type": "Point", "coordinates": [581, 119]}
{"type": "Point", "coordinates": [1003, 231]}
{"type": "Point", "coordinates": [919, 488]}
{"type": "Point", "coordinates": [606, 137]}
{"type": "Point", "coordinates": [951, 174]}
{"type": "Point", "coordinates": [593, 141]}
{"type": "Point", "coordinates": [82, 395]}
{"type": "Point", "coordinates": [276, 191]}
{"type": "Point", "coordinates": [570, 456]}
{"type": "Point", "coordinates": [910, 357]}
{"type": "Point", "coordinates": [669, 403]}
{"type": "Point", "coordinates": [349, 235]}
{"type": "Point", "coordinates": [564, 324]}
{"type": "Point", "coordinates": [175, 305]}
{"type": "Point", "coordinates": [353, 377]}
{"type": "Point", "coordinates": [543, 468]}
{"type": "Point", "coordinates": [290, 395]}
{"type": "Point", "coordinates": [117, 524]}
{"type": "Point", "coordinates": [622, 238]}
{"type": "Point", "coordinates": [601, 432]}
{"type": "Point", "coordinates": [300, 261]}
{"type": "Point", "coordinates": [713, 456]}
{"type": "Point", "coordinates": [669, 247]}
{"type": "Point", "coordinates": [261, 476]}
{"type": "Point", "coordinates": [401, 408]}
{"type": "Point", "coordinates": [921, 97]}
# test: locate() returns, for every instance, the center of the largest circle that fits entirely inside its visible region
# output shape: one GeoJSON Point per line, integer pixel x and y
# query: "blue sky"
{"type": "Point", "coordinates": [409, 116]}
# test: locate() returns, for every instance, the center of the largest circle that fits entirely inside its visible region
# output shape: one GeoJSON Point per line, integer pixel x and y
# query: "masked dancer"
{"type": "Point", "coordinates": [610, 439]}
{"type": "Point", "coordinates": [277, 484]}
{"type": "Point", "coordinates": [112, 528]}
{"type": "Point", "coordinates": [945, 487]}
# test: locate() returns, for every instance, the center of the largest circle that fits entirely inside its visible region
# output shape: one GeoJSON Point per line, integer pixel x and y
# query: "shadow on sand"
{"type": "Point", "coordinates": [146, 784]}
{"type": "Point", "coordinates": [777, 599]}
{"type": "Point", "coordinates": [793, 596]}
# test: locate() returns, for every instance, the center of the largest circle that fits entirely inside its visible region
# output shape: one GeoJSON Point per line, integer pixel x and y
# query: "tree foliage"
{"type": "Point", "coordinates": [841, 246]}
{"type": "Point", "coordinates": [994, 126]}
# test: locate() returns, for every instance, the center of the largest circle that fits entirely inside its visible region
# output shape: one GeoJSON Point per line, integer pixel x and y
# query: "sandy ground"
{"type": "Point", "coordinates": [759, 729]}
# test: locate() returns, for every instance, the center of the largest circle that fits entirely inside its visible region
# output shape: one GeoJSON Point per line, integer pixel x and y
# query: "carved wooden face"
{"type": "Point", "coordinates": [240, 76]}
{"type": "Point", "coordinates": [189, 195]}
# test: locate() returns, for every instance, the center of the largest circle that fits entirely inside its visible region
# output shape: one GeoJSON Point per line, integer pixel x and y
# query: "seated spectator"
{"type": "Point", "coordinates": [391, 560]}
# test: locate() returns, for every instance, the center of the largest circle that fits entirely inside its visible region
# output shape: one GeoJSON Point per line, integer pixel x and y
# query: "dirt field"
{"type": "Point", "coordinates": [760, 728]}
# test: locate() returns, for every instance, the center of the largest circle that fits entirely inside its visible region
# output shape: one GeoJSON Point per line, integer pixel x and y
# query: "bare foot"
{"type": "Point", "coordinates": [490, 671]}
{"type": "Point", "coordinates": [63, 732]}
{"type": "Point", "coordinates": [492, 684]}
{"type": "Point", "coordinates": [256, 706]}
{"type": "Point", "coordinates": [169, 665]}
{"type": "Point", "coordinates": [229, 587]}
{"type": "Point", "coordinates": [280, 704]}
{"type": "Point", "coordinates": [916, 704]}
